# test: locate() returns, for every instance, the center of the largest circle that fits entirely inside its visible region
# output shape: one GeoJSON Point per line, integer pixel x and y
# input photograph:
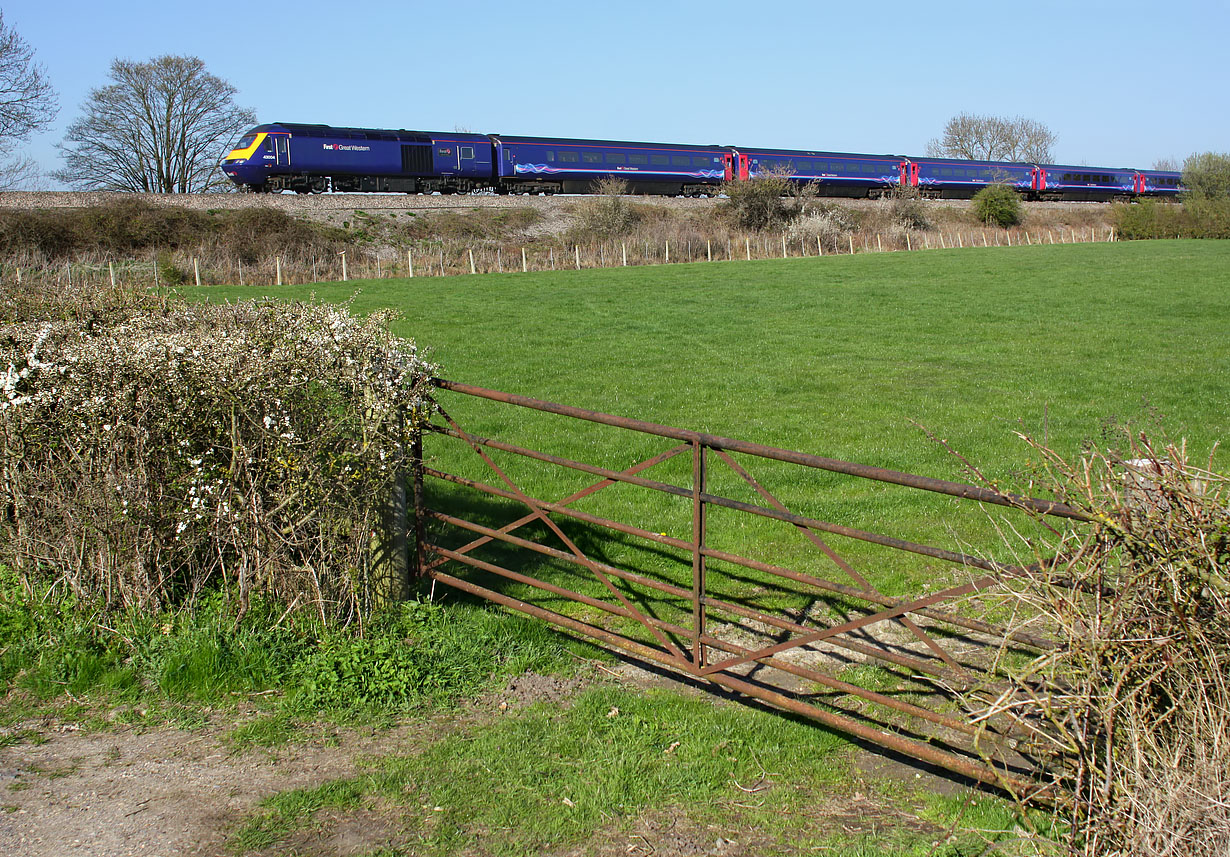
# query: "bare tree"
{"type": "Point", "coordinates": [27, 104]}
{"type": "Point", "coordinates": [159, 127]}
{"type": "Point", "coordinates": [1171, 164]}
{"type": "Point", "coordinates": [994, 138]}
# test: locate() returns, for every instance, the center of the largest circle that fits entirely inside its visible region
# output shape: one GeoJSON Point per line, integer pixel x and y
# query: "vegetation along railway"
{"type": "Point", "coordinates": [322, 158]}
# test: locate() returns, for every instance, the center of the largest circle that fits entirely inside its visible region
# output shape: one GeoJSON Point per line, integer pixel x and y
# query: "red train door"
{"type": "Point", "coordinates": [742, 159]}
{"type": "Point", "coordinates": [1039, 178]}
{"type": "Point", "coordinates": [904, 169]}
{"type": "Point", "coordinates": [729, 160]}
{"type": "Point", "coordinates": [913, 175]}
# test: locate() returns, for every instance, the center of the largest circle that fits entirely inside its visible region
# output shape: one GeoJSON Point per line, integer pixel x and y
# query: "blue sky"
{"type": "Point", "coordinates": [1121, 83]}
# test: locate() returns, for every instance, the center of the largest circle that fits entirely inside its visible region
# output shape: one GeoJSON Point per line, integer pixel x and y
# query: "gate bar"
{"type": "Point", "coordinates": [879, 474]}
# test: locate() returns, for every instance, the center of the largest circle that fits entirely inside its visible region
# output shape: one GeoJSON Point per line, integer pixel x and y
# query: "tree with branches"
{"type": "Point", "coordinates": [994, 138]}
{"type": "Point", "coordinates": [159, 127]}
{"type": "Point", "coordinates": [28, 103]}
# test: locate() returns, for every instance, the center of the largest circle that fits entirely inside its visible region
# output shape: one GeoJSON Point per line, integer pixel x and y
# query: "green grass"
{"type": "Point", "coordinates": [545, 779]}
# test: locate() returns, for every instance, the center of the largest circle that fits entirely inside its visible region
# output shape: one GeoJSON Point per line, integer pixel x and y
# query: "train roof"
{"type": "Point", "coordinates": [747, 150]}
{"type": "Point", "coordinates": [399, 135]}
{"type": "Point", "coordinates": [1085, 168]}
{"type": "Point", "coordinates": [570, 141]}
{"type": "Point", "coordinates": [920, 159]}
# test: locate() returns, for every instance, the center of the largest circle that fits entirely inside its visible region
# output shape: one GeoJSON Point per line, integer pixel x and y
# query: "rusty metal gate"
{"type": "Point", "coordinates": [728, 627]}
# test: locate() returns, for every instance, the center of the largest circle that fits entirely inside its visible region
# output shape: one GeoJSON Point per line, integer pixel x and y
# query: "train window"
{"type": "Point", "coordinates": [680, 161]}
{"type": "Point", "coordinates": [700, 162]}
{"type": "Point", "coordinates": [569, 157]}
{"type": "Point", "coordinates": [659, 160]}
{"type": "Point", "coordinates": [638, 159]}
{"type": "Point", "coordinates": [945, 171]}
{"type": "Point", "coordinates": [467, 152]}
{"type": "Point", "coordinates": [245, 142]}
{"type": "Point", "coordinates": [616, 158]}
{"type": "Point", "coordinates": [550, 156]}
{"type": "Point", "coordinates": [591, 157]}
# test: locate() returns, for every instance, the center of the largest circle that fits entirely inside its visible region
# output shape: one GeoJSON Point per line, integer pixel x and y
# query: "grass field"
{"type": "Point", "coordinates": [838, 356]}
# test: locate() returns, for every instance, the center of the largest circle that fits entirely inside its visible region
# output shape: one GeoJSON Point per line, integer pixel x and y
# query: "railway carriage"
{"type": "Point", "coordinates": [949, 178]}
{"type": "Point", "coordinates": [560, 165]}
{"type": "Point", "coordinates": [1084, 184]}
{"type": "Point", "coordinates": [836, 173]}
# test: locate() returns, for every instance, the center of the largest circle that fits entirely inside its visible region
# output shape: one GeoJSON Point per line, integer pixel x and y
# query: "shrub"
{"type": "Point", "coordinates": [997, 204]}
{"type": "Point", "coordinates": [608, 213]}
{"type": "Point", "coordinates": [1130, 710]}
{"type": "Point", "coordinates": [908, 209]}
{"type": "Point", "coordinates": [760, 203]}
{"type": "Point", "coordinates": [152, 451]}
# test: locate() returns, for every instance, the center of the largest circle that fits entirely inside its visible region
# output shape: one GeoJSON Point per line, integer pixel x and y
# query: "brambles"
{"type": "Point", "coordinates": [998, 205]}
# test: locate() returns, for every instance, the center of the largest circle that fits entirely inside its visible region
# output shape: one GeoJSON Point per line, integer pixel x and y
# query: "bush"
{"type": "Point", "coordinates": [152, 451]}
{"type": "Point", "coordinates": [1130, 710]}
{"type": "Point", "coordinates": [1208, 175]}
{"type": "Point", "coordinates": [909, 211]}
{"type": "Point", "coordinates": [760, 203]}
{"type": "Point", "coordinates": [998, 204]}
{"type": "Point", "coordinates": [609, 213]}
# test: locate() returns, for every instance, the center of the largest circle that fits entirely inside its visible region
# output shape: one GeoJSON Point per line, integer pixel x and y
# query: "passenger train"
{"type": "Point", "coordinates": [320, 158]}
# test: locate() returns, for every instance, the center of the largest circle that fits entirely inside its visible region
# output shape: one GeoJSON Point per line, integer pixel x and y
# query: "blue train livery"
{"type": "Point", "coordinates": [560, 165]}
{"type": "Point", "coordinates": [318, 158]}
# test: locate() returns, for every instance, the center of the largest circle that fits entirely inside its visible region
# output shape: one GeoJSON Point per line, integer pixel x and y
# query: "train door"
{"type": "Point", "coordinates": [728, 161]}
{"type": "Point", "coordinates": [743, 166]}
{"type": "Point", "coordinates": [281, 149]}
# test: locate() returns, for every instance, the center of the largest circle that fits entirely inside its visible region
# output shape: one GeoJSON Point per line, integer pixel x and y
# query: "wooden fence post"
{"type": "Point", "coordinates": [525, 264]}
{"type": "Point", "coordinates": [345, 275]}
{"type": "Point", "coordinates": [110, 268]}
{"type": "Point", "coordinates": [196, 270]}
{"type": "Point", "coordinates": [410, 264]}
{"type": "Point", "coordinates": [278, 261]}
{"type": "Point", "coordinates": [472, 261]}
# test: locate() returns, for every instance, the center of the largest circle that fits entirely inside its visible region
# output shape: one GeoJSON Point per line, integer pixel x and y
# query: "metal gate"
{"type": "Point", "coordinates": [727, 627]}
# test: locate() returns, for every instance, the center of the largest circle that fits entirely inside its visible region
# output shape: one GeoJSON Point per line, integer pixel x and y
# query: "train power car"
{"type": "Point", "coordinates": [317, 158]}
